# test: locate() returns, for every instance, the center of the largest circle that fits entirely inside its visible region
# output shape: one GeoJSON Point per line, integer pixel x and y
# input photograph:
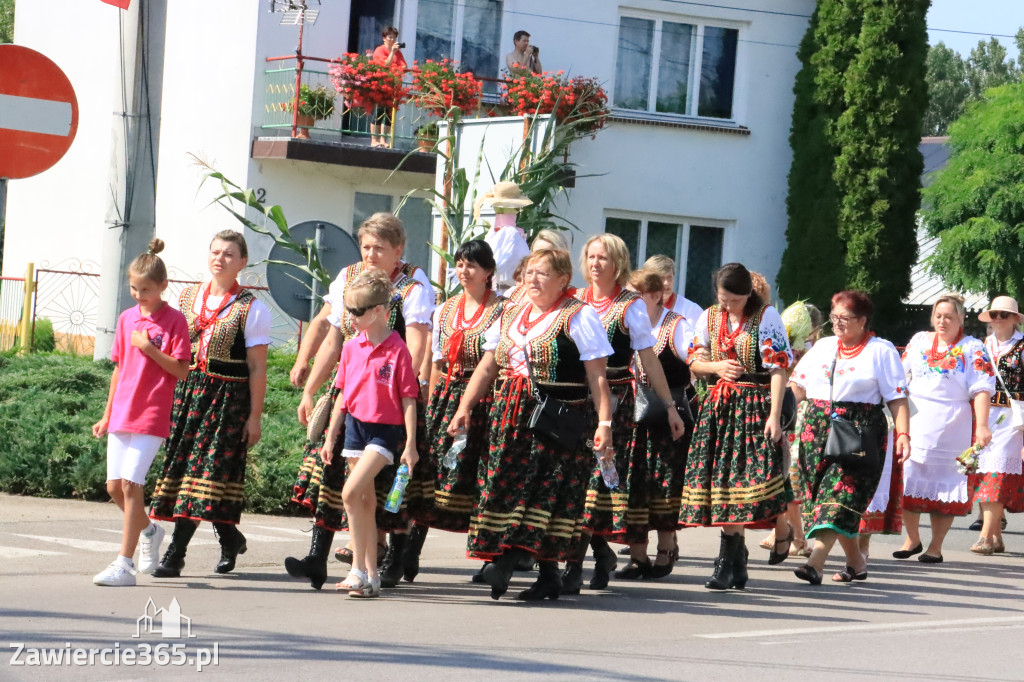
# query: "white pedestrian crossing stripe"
{"type": "Point", "coordinates": [23, 553]}
{"type": "Point", "coordinates": [76, 543]}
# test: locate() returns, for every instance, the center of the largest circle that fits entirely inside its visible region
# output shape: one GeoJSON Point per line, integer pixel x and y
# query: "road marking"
{"type": "Point", "coordinates": [866, 627]}
{"type": "Point", "coordinates": [293, 531]}
{"type": "Point", "coordinates": [88, 545]}
{"type": "Point", "coordinates": [253, 536]}
{"type": "Point", "coordinates": [193, 543]}
{"type": "Point", "coordinates": [21, 552]}
{"type": "Point", "coordinates": [32, 115]}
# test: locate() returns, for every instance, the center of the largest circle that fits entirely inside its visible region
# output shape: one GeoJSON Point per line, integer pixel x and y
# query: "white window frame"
{"type": "Point", "coordinates": [692, 98]}
{"type": "Point", "coordinates": [682, 250]}
{"type": "Point", "coordinates": [411, 18]}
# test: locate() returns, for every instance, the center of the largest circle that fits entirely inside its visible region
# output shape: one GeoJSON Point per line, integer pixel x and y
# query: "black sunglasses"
{"type": "Point", "coordinates": [1000, 315]}
{"type": "Point", "coordinates": [359, 312]}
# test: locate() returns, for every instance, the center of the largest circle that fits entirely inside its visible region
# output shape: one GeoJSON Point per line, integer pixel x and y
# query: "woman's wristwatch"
{"type": "Point", "coordinates": [607, 423]}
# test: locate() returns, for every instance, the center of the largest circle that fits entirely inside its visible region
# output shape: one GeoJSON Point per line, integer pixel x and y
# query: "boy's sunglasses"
{"type": "Point", "coordinates": [359, 312]}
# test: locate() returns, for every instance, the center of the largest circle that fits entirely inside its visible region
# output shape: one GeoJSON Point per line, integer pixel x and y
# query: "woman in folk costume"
{"type": "Point", "coordinates": [544, 239]}
{"type": "Point", "coordinates": [381, 241]}
{"type": "Point", "coordinates": [507, 241]}
{"type": "Point", "coordinates": [450, 488]}
{"type": "Point", "coordinates": [735, 475]}
{"type": "Point", "coordinates": [949, 373]}
{"type": "Point", "coordinates": [604, 261]}
{"type": "Point", "coordinates": [655, 484]}
{"type": "Point", "coordinates": [998, 484]}
{"type": "Point", "coordinates": [217, 409]}
{"type": "Point", "coordinates": [533, 483]}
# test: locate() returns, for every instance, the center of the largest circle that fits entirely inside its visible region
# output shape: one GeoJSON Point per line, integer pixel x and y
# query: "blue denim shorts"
{"type": "Point", "coordinates": [382, 438]}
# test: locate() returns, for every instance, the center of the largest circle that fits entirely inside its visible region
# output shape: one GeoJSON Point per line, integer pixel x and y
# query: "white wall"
{"type": "Point", "coordinates": [59, 214]}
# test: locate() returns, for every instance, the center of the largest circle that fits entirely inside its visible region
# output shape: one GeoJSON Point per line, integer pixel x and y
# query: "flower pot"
{"type": "Point", "coordinates": [424, 144]}
{"type": "Point", "coordinates": [303, 123]}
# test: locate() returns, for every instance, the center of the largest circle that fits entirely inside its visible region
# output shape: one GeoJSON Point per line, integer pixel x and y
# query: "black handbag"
{"type": "Point", "coordinates": [651, 409]}
{"type": "Point", "coordinates": [556, 420]}
{"type": "Point", "coordinates": [850, 445]}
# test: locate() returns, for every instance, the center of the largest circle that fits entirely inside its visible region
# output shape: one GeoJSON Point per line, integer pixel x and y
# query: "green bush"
{"type": "Point", "coordinates": [49, 402]}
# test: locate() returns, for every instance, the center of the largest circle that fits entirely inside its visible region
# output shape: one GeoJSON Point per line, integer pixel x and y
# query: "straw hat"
{"type": "Point", "coordinates": [506, 195]}
{"type": "Point", "coordinates": [1006, 304]}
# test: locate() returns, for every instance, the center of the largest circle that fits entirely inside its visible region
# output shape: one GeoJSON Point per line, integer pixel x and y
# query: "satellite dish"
{"type": "Point", "coordinates": [295, 291]}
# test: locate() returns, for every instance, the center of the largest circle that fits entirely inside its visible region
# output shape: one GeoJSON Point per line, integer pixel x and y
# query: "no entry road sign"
{"type": "Point", "coordinates": [38, 112]}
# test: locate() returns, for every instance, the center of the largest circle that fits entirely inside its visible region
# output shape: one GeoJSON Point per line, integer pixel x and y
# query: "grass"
{"type": "Point", "coordinates": [49, 402]}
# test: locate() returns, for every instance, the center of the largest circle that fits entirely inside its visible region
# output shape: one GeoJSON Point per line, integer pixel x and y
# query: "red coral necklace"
{"type": "Point", "coordinates": [602, 306]}
{"type": "Point", "coordinates": [727, 339]}
{"type": "Point", "coordinates": [525, 325]}
{"type": "Point", "coordinates": [850, 352]}
{"type": "Point", "coordinates": [934, 356]}
{"type": "Point", "coordinates": [208, 316]}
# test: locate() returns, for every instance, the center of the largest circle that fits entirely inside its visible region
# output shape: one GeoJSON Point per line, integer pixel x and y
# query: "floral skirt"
{"type": "Point", "coordinates": [1006, 489]}
{"type": "Point", "coordinates": [605, 510]}
{"type": "Point", "coordinates": [448, 495]}
{"type": "Point", "coordinates": [203, 476]}
{"type": "Point", "coordinates": [531, 491]}
{"type": "Point", "coordinates": [837, 496]}
{"type": "Point", "coordinates": [734, 475]}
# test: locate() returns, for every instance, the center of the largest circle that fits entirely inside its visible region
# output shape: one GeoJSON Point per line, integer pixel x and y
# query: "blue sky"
{"type": "Point", "coordinates": [982, 16]}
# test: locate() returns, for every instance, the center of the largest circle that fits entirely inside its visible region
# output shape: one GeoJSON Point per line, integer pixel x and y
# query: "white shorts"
{"type": "Point", "coordinates": [129, 455]}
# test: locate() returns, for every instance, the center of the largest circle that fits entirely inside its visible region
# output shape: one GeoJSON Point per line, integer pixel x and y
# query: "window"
{"type": "Point", "coordinates": [415, 217]}
{"type": "Point", "coordinates": [467, 31]}
{"type": "Point", "coordinates": [696, 250]}
{"type": "Point", "coordinates": [677, 68]}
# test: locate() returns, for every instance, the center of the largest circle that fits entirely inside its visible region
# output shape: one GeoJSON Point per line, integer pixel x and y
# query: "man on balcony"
{"type": "Point", "coordinates": [525, 58]}
{"type": "Point", "coordinates": [388, 54]}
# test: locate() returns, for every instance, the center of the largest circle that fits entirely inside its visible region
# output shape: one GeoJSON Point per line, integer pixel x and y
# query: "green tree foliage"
{"type": "Point", "coordinates": [975, 205]}
{"type": "Point", "coordinates": [878, 171]}
{"type": "Point", "coordinates": [6, 21]}
{"type": "Point", "coordinates": [955, 82]}
{"type": "Point", "coordinates": [853, 185]}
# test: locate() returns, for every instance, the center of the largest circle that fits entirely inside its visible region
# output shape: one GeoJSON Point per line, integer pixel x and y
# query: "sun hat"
{"type": "Point", "coordinates": [1007, 304]}
{"type": "Point", "coordinates": [506, 195]}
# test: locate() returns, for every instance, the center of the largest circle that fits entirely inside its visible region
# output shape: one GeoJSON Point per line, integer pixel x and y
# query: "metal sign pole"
{"type": "Point", "coordinates": [315, 289]}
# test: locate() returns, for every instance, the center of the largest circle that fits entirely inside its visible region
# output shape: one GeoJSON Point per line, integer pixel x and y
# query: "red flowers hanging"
{"type": "Point", "coordinates": [440, 85]}
{"type": "Point", "coordinates": [366, 84]}
{"type": "Point", "coordinates": [578, 99]}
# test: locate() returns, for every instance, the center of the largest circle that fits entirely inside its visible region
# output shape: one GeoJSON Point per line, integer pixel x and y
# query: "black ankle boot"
{"type": "Point", "coordinates": [739, 564]}
{"type": "Point", "coordinates": [174, 558]}
{"type": "Point", "coordinates": [723, 577]}
{"type": "Point", "coordinates": [413, 548]}
{"type": "Point", "coordinates": [572, 578]}
{"type": "Point", "coordinates": [313, 566]}
{"type": "Point", "coordinates": [232, 543]}
{"type": "Point", "coordinates": [548, 585]}
{"type": "Point", "coordinates": [393, 566]}
{"type": "Point", "coordinates": [478, 577]}
{"type": "Point", "coordinates": [604, 562]}
{"type": "Point", "coordinates": [499, 573]}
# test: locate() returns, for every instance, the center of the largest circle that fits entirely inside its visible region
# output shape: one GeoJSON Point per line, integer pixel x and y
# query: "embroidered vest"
{"type": "Point", "coordinates": [226, 352]}
{"type": "Point", "coordinates": [401, 288]}
{"type": "Point", "coordinates": [473, 337]}
{"type": "Point", "coordinates": [614, 322]}
{"type": "Point", "coordinates": [677, 372]}
{"type": "Point", "coordinates": [1012, 369]}
{"type": "Point", "coordinates": [553, 355]}
{"type": "Point", "coordinates": [746, 343]}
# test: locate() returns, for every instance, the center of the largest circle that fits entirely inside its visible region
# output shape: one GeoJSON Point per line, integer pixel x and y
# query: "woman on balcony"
{"type": "Point", "coordinates": [381, 240]}
{"type": "Point", "coordinates": [388, 54]}
{"type": "Point", "coordinates": [604, 261]}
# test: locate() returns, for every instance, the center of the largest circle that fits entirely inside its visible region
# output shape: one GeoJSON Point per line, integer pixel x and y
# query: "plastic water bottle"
{"type": "Point", "coordinates": [398, 490]}
{"type": "Point", "coordinates": [451, 458]}
{"type": "Point", "coordinates": [608, 471]}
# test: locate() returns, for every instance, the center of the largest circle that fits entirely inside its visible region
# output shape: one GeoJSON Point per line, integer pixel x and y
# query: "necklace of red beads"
{"type": "Point", "coordinates": [934, 356]}
{"type": "Point", "coordinates": [849, 352]}
{"type": "Point", "coordinates": [602, 306]}
{"type": "Point", "coordinates": [726, 338]}
{"type": "Point", "coordinates": [207, 316]}
{"type": "Point", "coordinates": [525, 325]}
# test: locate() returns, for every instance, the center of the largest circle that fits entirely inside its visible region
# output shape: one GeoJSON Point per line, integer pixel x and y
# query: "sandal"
{"type": "Point", "coordinates": [344, 555]}
{"type": "Point", "coordinates": [356, 580]}
{"type": "Point", "coordinates": [799, 547]}
{"type": "Point", "coordinates": [808, 573]}
{"type": "Point", "coordinates": [778, 557]}
{"type": "Point", "coordinates": [370, 590]}
{"type": "Point", "coordinates": [661, 570]}
{"type": "Point", "coordinates": [849, 575]}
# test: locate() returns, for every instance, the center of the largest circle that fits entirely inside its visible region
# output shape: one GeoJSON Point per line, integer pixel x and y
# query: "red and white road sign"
{"type": "Point", "coordinates": [38, 112]}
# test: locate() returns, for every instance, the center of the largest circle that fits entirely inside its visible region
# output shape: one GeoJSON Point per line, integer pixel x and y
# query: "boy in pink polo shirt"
{"type": "Point", "coordinates": [378, 391]}
{"type": "Point", "coordinates": [152, 350]}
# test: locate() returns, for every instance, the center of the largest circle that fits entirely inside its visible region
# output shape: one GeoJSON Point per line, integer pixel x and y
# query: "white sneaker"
{"type": "Point", "coordinates": [149, 549]}
{"type": "Point", "coordinates": [116, 575]}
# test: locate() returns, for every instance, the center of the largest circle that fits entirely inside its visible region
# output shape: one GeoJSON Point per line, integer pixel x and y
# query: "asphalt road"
{"type": "Point", "coordinates": [962, 620]}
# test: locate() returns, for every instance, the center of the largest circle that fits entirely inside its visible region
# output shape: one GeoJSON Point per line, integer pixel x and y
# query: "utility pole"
{"type": "Point", "coordinates": [131, 215]}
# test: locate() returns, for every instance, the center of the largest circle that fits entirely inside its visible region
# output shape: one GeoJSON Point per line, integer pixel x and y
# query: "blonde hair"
{"type": "Point", "coordinates": [150, 265]}
{"type": "Point", "coordinates": [383, 225]}
{"type": "Point", "coordinates": [661, 264]}
{"type": "Point", "coordinates": [554, 237]}
{"type": "Point", "coordinates": [235, 238]}
{"type": "Point", "coordinates": [955, 300]}
{"type": "Point", "coordinates": [559, 260]}
{"type": "Point", "coordinates": [370, 288]}
{"type": "Point", "coordinates": [616, 250]}
{"type": "Point", "coordinates": [646, 281]}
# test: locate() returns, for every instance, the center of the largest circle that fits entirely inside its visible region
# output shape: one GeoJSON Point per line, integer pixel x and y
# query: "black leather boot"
{"type": "Point", "coordinates": [739, 564]}
{"type": "Point", "coordinates": [604, 562]}
{"type": "Point", "coordinates": [723, 577]}
{"type": "Point", "coordinates": [413, 548]}
{"type": "Point", "coordinates": [394, 560]}
{"type": "Point", "coordinates": [548, 585]}
{"type": "Point", "coordinates": [572, 576]}
{"type": "Point", "coordinates": [232, 543]}
{"type": "Point", "coordinates": [174, 558]}
{"type": "Point", "coordinates": [313, 566]}
{"type": "Point", "coordinates": [499, 573]}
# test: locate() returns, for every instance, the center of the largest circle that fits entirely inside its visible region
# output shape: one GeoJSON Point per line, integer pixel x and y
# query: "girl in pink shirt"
{"type": "Point", "coordinates": [378, 392]}
{"type": "Point", "coordinates": [152, 351]}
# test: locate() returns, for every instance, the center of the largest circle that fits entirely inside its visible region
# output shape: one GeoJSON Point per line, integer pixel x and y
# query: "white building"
{"type": "Point", "coordinates": [693, 163]}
